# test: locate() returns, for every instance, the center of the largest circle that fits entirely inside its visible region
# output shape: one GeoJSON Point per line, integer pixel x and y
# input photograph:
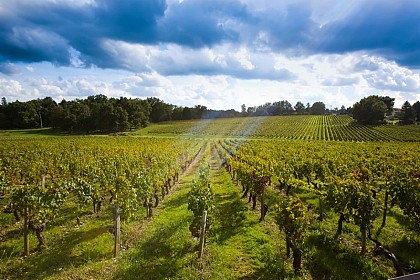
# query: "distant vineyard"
{"type": "Point", "coordinates": [410, 133]}
{"type": "Point", "coordinates": [325, 128]}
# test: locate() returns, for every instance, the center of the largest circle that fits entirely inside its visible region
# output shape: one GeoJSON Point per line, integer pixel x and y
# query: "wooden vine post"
{"type": "Point", "coordinates": [117, 230]}
{"type": "Point", "coordinates": [202, 234]}
{"type": "Point", "coordinates": [263, 210]}
{"type": "Point", "coordinates": [26, 232]}
{"type": "Point", "coordinates": [321, 208]}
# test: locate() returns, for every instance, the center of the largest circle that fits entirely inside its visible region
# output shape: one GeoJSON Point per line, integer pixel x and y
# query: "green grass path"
{"type": "Point", "coordinates": [238, 246]}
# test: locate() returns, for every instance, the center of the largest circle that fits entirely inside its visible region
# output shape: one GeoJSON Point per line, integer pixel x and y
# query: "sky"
{"type": "Point", "coordinates": [216, 53]}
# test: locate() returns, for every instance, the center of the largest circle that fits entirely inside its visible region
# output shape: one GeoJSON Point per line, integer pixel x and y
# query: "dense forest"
{"type": "Point", "coordinates": [102, 114]}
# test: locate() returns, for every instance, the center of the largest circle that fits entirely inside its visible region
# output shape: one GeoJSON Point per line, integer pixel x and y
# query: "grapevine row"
{"type": "Point", "coordinates": [305, 127]}
{"type": "Point", "coordinates": [359, 182]}
{"type": "Point", "coordinates": [38, 177]}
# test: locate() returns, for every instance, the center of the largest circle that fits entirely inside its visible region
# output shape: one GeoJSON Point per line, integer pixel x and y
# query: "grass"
{"type": "Point", "coordinates": [68, 246]}
{"type": "Point", "coordinates": [36, 132]}
{"type": "Point", "coordinates": [166, 247]}
{"type": "Point", "coordinates": [329, 259]}
{"type": "Point", "coordinates": [240, 247]}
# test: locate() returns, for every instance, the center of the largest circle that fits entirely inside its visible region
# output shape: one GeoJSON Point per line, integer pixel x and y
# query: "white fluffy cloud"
{"type": "Point", "coordinates": [390, 76]}
{"type": "Point", "coordinates": [333, 79]}
{"type": "Point", "coordinates": [13, 88]}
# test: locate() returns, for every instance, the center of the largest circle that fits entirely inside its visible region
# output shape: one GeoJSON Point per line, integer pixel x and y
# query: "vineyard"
{"type": "Point", "coordinates": [325, 128]}
{"type": "Point", "coordinates": [355, 183]}
{"type": "Point", "coordinates": [280, 205]}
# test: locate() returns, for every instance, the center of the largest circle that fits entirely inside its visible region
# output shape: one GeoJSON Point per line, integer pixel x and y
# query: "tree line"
{"type": "Point", "coordinates": [286, 108]}
{"type": "Point", "coordinates": [102, 114]}
{"type": "Point", "coordinates": [93, 114]}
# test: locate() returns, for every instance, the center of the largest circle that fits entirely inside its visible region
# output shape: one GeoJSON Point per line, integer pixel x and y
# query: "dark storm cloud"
{"type": "Point", "coordinates": [44, 31]}
{"type": "Point", "coordinates": [34, 31]}
{"type": "Point", "coordinates": [386, 28]}
{"type": "Point", "coordinates": [203, 23]}
{"type": "Point", "coordinates": [32, 44]}
{"type": "Point", "coordinates": [8, 69]}
{"type": "Point", "coordinates": [292, 28]}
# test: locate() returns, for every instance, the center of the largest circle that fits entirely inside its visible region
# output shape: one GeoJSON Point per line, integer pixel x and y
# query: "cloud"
{"type": "Point", "coordinates": [11, 87]}
{"type": "Point", "coordinates": [47, 30]}
{"type": "Point", "coordinates": [290, 29]}
{"type": "Point", "coordinates": [102, 33]}
{"type": "Point", "coordinates": [175, 60]}
{"type": "Point", "coordinates": [341, 81]}
{"type": "Point", "coordinates": [128, 56]}
{"type": "Point", "coordinates": [33, 45]}
{"type": "Point", "coordinates": [215, 92]}
{"type": "Point", "coordinates": [130, 20]}
{"type": "Point", "coordinates": [142, 85]}
{"type": "Point", "coordinates": [221, 60]}
{"type": "Point", "coordinates": [8, 68]}
{"type": "Point", "coordinates": [366, 62]}
{"type": "Point", "coordinates": [202, 23]}
{"type": "Point", "coordinates": [200, 51]}
{"type": "Point", "coordinates": [386, 28]}
{"type": "Point", "coordinates": [390, 76]}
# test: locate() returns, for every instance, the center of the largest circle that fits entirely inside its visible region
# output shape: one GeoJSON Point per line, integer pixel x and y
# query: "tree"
{"type": "Point", "coordinates": [177, 113]}
{"type": "Point", "coordinates": [416, 107]}
{"type": "Point", "coordinates": [186, 113]}
{"type": "Point", "coordinates": [318, 108]}
{"type": "Point", "coordinates": [138, 111]}
{"type": "Point", "coordinates": [23, 114]}
{"type": "Point", "coordinates": [408, 115]}
{"type": "Point", "coordinates": [342, 110]}
{"type": "Point", "coordinates": [250, 111]}
{"type": "Point", "coordinates": [120, 122]}
{"type": "Point", "coordinates": [46, 111]}
{"type": "Point", "coordinates": [243, 110]}
{"type": "Point", "coordinates": [299, 108]}
{"type": "Point", "coordinates": [308, 108]}
{"type": "Point", "coordinates": [281, 108]}
{"type": "Point", "coordinates": [4, 122]}
{"type": "Point", "coordinates": [389, 102]}
{"type": "Point", "coordinates": [199, 111]}
{"type": "Point", "coordinates": [72, 115]}
{"type": "Point", "coordinates": [263, 110]}
{"type": "Point", "coordinates": [369, 110]}
{"type": "Point", "coordinates": [160, 111]}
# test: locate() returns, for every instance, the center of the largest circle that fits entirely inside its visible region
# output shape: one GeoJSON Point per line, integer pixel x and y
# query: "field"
{"type": "Point", "coordinates": [334, 190]}
{"type": "Point", "coordinates": [326, 128]}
